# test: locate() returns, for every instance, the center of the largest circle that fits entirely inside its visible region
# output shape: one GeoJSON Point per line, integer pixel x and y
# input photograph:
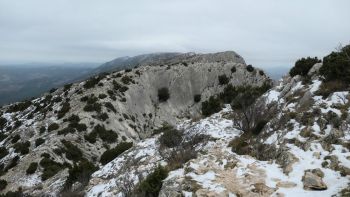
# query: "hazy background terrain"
{"type": "Point", "coordinates": [19, 82]}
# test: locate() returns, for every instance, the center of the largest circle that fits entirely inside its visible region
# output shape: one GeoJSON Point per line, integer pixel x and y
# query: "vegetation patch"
{"type": "Point", "coordinates": [64, 109]}
{"type": "Point", "coordinates": [105, 135]}
{"type": "Point", "coordinates": [80, 173]}
{"type": "Point", "coordinates": [171, 137]}
{"type": "Point", "coordinates": [303, 66]}
{"type": "Point", "coordinates": [3, 152]}
{"type": "Point", "coordinates": [211, 106]}
{"type": "Point", "coordinates": [2, 136]}
{"type": "Point", "coordinates": [93, 107]}
{"type": "Point", "coordinates": [223, 79]}
{"type": "Point", "coordinates": [3, 122]}
{"type": "Point", "coordinates": [250, 68]}
{"type": "Point", "coordinates": [50, 168]}
{"type": "Point", "coordinates": [15, 138]}
{"type": "Point", "coordinates": [163, 94]}
{"type": "Point", "coordinates": [22, 147]}
{"type": "Point", "coordinates": [3, 184]}
{"type": "Point", "coordinates": [102, 96]}
{"type": "Point", "coordinates": [32, 168]}
{"type": "Point", "coordinates": [233, 69]}
{"type": "Point", "coordinates": [110, 106]}
{"type": "Point", "coordinates": [111, 154]}
{"type": "Point", "coordinates": [52, 127]}
{"type": "Point", "coordinates": [126, 80]}
{"type": "Point", "coordinates": [92, 82]}
{"type": "Point", "coordinates": [21, 106]}
{"type": "Point", "coordinates": [153, 182]}
{"type": "Point", "coordinates": [72, 152]}
{"type": "Point", "coordinates": [197, 98]}
{"type": "Point", "coordinates": [336, 66]}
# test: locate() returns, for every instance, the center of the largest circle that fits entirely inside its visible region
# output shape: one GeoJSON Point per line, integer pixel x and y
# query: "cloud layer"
{"type": "Point", "coordinates": [266, 33]}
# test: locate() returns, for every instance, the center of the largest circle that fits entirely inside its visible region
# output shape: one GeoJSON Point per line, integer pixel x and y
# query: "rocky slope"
{"type": "Point", "coordinates": [46, 140]}
{"type": "Point", "coordinates": [296, 154]}
{"type": "Point", "coordinates": [286, 141]}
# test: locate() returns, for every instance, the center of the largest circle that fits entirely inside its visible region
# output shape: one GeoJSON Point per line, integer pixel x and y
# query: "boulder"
{"type": "Point", "coordinates": [312, 181]}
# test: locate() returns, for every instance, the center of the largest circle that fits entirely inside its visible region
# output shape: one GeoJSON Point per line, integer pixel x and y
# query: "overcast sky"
{"type": "Point", "coordinates": [265, 32]}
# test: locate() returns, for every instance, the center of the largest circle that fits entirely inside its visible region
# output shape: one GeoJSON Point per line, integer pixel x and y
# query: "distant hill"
{"type": "Point", "coordinates": [19, 82]}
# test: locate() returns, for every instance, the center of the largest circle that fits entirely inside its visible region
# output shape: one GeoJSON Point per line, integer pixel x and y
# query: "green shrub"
{"type": "Point", "coordinates": [91, 137]}
{"type": "Point", "coordinates": [67, 87]}
{"type": "Point", "coordinates": [223, 79]}
{"type": "Point", "coordinates": [259, 127]}
{"type": "Point", "coordinates": [22, 147]}
{"type": "Point", "coordinates": [111, 154]}
{"type": "Point", "coordinates": [2, 136]}
{"type": "Point", "coordinates": [53, 126]}
{"type": "Point", "coordinates": [66, 130]}
{"type": "Point", "coordinates": [64, 109]}
{"type": "Point", "coordinates": [303, 65]}
{"type": "Point", "coordinates": [197, 98]}
{"type": "Point", "coordinates": [3, 152]}
{"type": "Point", "coordinates": [80, 173]}
{"type": "Point", "coordinates": [21, 106]}
{"type": "Point", "coordinates": [116, 85]}
{"type": "Point", "coordinates": [74, 118]}
{"type": "Point", "coordinates": [163, 94]}
{"type": "Point", "coordinates": [233, 69]}
{"type": "Point", "coordinates": [93, 107]}
{"type": "Point", "coordinates": [12, 163]}
{"type": "Point", "coordinates": [171, 137]}
{"type": "Point", "coordinates": [52, 90]}
{"type": "Point", "coordinates": [32, 168]}
{"type": "Point", "coordinates": [17, 124]}
{"type": "Point", "coordinates": [72, 152]}
{"type": "Point", "coordinates": [3, 184]}
{"type": "Point", "coordinates": [126, 79]}
{"type": "Point", "coordinates": [336, 66]}
{"type": "Point", "coordinates": [102, 96]}
{"type": "Point", "coordinates": [250, 68]}
{"type": "Point", "coordinates": [153, 182]}
{"type": "Point", "coordinates": [261, 72]}
{"type": "Point", "coordinates": [110, 106]}
{"type": "Point", "coordinates": [92, 82]}
{"type": "Point", "coordinates": [42, 130]}
{"type": "Point", "coordinates": [15, 138]}
{"type": "Point", "coordinates": [39, 142]}
{"type": "Point", "coordinates": [123, 89]}
{"type": "Point", "coordinates": [211, 106]}
{"type": "Point", "coordinates": [106, 135]}
{"type": "Point", "coordinates": [3, 122]}
{"type": "Point", "coordinates": [50, 168]}
{"type": "Point", "coordinates": [103, 116]}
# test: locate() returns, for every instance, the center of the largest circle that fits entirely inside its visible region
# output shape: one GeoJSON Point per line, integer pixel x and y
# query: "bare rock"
{"type": "Point", "coordinates": [312, 181]}
{"type": "Point", "coordinates": [286, 184]}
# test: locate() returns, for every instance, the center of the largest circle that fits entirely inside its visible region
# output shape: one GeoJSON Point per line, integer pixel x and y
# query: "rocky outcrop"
{"type": "Point", "coordinates": [312, 180]}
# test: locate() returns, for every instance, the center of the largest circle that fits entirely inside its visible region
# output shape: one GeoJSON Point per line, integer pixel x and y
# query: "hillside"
{"type": "Point", "coordinates": [189, 125]}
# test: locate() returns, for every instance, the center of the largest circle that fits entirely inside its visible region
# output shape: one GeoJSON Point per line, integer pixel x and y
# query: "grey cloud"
{"type": "Point", "coordinates": [266, 33]}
